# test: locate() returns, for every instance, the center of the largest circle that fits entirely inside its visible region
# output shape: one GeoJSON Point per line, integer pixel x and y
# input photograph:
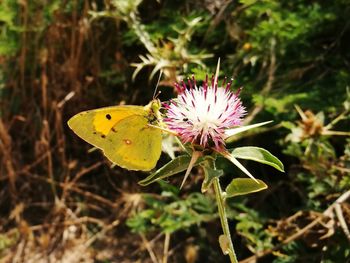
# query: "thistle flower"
{"type": "Point", "coordinates": [200, 115]}
{"type": "Point", "coordinates": [205, 117]}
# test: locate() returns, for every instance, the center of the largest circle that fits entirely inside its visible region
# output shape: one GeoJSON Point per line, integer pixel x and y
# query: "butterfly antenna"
{"type": "Point", "coordinates": [155, 94]}
{"type": "Point", "coordinates": [217, 73]}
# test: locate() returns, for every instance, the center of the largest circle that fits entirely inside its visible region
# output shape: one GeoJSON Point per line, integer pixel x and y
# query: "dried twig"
{"type": "Point", "coordinates": [166, 247]}
{"type": "Point", "coordinates": [297, 235]}
{"type": "Point", "coordinates": [149, 249]}
{"type": "Point", "coordinates": [342, 222]}
{"type": "Point", "coordinates": [5, 148]}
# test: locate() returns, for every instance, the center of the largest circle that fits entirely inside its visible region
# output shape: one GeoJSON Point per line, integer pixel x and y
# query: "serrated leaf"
{"type": "Point", "coordinates": [243, 186]}
{"type": "Point", "coordinates": [258, 155]}
{"type": "Point", "coordinates": [175, 166]}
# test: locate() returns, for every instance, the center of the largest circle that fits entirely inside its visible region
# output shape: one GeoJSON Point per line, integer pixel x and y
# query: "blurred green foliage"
{"type": "Point", "coordinates": [169, 213]}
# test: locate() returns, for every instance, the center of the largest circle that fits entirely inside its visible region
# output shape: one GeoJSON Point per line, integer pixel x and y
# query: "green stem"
{"type": "Point", "coordinates": [220, 199]}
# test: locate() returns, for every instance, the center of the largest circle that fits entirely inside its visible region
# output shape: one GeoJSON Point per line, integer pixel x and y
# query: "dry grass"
{"type": "Point", "coordinates": [57, 203]}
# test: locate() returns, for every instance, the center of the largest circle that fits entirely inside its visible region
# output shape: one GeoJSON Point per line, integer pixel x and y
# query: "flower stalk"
{"type": "Point", "coordinates": [205, 117]}
{"type": "Point", "coordinates": [220, 200]}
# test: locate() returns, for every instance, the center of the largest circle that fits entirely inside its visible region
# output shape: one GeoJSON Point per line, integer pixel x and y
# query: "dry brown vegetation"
{"type": "Point", "coordinates": [55, 204]}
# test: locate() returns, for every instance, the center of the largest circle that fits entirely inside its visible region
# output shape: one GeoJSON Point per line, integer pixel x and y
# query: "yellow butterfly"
{"type": "Point", "coordinates": [126, 134]}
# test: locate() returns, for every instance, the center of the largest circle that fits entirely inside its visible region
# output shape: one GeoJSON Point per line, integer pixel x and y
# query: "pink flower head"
{"type": "Point", "coordinates": [200, 115]}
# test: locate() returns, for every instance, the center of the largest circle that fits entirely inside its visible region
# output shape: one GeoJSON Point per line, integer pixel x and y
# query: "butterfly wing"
{"type": "Point", "coordinates": [134, 145]}
{"type": "Point", "coordinates": [111, 129]}
{"type": "Point", "coordinates": [93, 125]}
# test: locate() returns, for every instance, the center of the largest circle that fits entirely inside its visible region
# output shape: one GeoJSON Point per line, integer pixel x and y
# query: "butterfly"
{"type": "Point", "coordinates": [127, 134]}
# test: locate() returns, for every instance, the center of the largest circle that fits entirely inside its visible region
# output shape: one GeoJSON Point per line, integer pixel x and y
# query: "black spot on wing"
{"type": "Point", "coordinates": [103, 136]}
{"type": "Point", "coordinates": [108, 117]}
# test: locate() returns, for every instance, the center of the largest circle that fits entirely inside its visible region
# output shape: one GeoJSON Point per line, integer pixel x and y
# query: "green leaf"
{"type": "Point", "coordinates": [258, 155]}
{"type": "Point", "coordinates": [243, 186]}
{"type": "Point", "coordinates": [175, 166]}
{"type": "Point", "coordinates": [209, 175]}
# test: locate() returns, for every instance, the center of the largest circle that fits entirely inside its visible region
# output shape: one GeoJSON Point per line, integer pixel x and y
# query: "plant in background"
{"type": "Point", "coordinates": [309, 140]}
{"type": "Point", "coordinates": [203, 117]}
{"type": "Point", "coordinates": [311, 132]}
{"type": "Point", "coordinates": [168, 213]}
{"type": "Point", "coordinates": [9, 31]}
{"type": "Point", "coordinates": [323, 173]}
{"type": "Point", "coordinates": [169, 56]}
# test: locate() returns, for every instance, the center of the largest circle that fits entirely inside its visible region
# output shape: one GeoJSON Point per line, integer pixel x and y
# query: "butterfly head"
{"type": "Point", "coordinates": [155, 105]}
{"type": "Point", "coordinates": [153, 111]}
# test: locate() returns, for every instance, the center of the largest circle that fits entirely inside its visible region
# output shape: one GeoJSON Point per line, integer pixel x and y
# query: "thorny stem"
{"type": "Point", "coordinates": [220, 200]}
{"type": "Point", "coordinates": [336, 120]}
{"type": "Point", "coordinates": [134, 22]}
